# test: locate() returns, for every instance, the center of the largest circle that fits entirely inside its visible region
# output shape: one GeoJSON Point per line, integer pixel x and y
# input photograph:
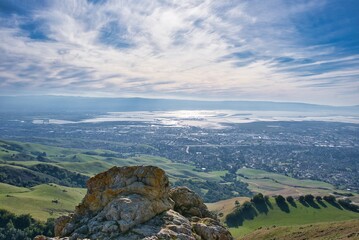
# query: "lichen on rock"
{"type": "Point", "coordinates": [137, 203]}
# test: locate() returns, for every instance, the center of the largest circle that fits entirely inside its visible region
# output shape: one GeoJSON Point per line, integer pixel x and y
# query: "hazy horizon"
{"type": "Point", "coordinates": [172, 99]}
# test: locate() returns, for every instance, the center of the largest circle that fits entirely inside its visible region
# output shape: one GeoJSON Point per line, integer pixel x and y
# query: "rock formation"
{"type": "Point", "coordinates": [137, 203]}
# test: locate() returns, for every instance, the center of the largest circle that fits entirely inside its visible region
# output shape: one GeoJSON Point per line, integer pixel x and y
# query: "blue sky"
{"type": "Point", "coordinates": [278, 50]}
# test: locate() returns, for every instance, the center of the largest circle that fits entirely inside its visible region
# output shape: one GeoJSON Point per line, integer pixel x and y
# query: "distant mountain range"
{"type": "Point", "coordinates": [92, 104]}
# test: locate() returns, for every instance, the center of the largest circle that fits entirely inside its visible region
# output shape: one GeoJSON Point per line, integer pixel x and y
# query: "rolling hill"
{"type": "Point", "coordinates": [319, 231]}
{"type": "Point", "coordinates": [297, 214]}
{"type": "Point", "coordinates": [49, 185]}
{"type": "Point", "coordinates": [42, 201]}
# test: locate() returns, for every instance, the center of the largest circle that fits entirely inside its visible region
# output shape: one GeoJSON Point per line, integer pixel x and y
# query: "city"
{"type": "Point", "coordinates": [325, 151]}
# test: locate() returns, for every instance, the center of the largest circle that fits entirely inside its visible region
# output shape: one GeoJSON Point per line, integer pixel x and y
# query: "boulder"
{"type": "Point", "coordinates": [189, 203]}
{"type": "Point", "coordinates": [149, 182]}
{"type": "Point", "coordinates": [208, 228]}
{"type": "Point", "coordinates": [135, 203]}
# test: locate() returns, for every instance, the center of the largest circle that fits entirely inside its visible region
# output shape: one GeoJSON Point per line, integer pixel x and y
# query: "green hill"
{"type": "Point", "coordinates": [42, 201]}
{"type": "Point", "coordinates": [319, 231]}
{"type": "Point", "coordinates": [27, 155]}
{"type": "Point", "coordinates": [30, 167]}
{"type": "Point", "coordinates": [29, 176]}
{"type": "Point", "coordinates": [269, 183]}
{"type": "Point", "coordinates": [296, 214]}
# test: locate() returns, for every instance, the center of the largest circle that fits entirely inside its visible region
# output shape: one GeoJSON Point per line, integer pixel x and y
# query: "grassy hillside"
{"type": "Point", "coordinates": [29, 167]}
{"type": "Point", "coordinates": [225, 206]}
{"type": "Point", "coordinates": [297, 215]}
{"type": "Point", "coordinates": [26, 155]}
{"type": "Point", "coordinates": [7, 188]}
{"type": "Point", "coordinates": [30, 176]}
{"type": "Point", "coordinates": [274, 184]}
{"type": "Point", "coordinates": [42, 201]}
{"type": "Point", "coordinates": [320, 231]}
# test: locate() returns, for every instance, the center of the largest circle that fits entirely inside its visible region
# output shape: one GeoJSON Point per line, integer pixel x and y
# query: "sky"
{"type": "Point", "coordinates": [275, 50]}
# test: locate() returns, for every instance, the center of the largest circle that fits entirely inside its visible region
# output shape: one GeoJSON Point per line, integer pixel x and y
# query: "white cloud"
{"type": "Point", "coordinates": [185, 48]}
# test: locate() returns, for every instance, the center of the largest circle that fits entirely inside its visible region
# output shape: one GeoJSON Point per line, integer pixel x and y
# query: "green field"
{"type": "Point", "coordinates": [296, 216]}
{"type": "Point", "coordinates": [270, 183]}
{"type": "Point", "coordinates": [260, 174]}
{"type": "Point", "coordinates": [321, 231]}
{"type": "Point", "coordinates": [38, 201]}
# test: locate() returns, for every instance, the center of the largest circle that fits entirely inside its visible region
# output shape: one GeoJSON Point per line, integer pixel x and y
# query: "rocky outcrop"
{"type": "Point", "coordinates": [208, 228]}
{"type": "Point", "coordinates": [137, 203]}
{"type": "Point", "coordinates": [189, 204]}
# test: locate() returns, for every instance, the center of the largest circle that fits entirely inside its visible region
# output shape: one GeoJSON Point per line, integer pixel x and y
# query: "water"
{"type": "Point", "coordinates": [209, 119]}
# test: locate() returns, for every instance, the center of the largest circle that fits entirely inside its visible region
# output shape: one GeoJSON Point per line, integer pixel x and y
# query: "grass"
{"type": "Point", "coordinates": [260, 174]}
{"type": "Point", "coordinates": [225, 206]}
{"type": "Point", "coordinates": [38, 201]}
{"type": "Point", "coordinates": [87, 168]}
{"type": "Point", "coordinates": [332, 230]}
{"type": "Point", "coordinates": [82, 161]}
{"type": "Point", "coordinates": [269, 183]}
{"type": "Point", "coordinates": [297, 216]}
{"type": "Point", "coordinates": [7, 189]}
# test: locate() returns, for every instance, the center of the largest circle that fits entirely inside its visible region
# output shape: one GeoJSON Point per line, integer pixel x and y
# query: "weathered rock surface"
{"type": "Point", "coordinates": [189, 204]}
{"type": "Point", "coordinates": [137, 203]}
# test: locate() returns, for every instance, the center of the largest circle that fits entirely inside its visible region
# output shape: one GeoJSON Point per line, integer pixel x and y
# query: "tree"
{"type": "Point", "coordinates": [23, 221]}
{"type": "Point", "coordinates": [290, 199]}
{"type": "Point", "coordinates": [258, 199]}
{"type": "Point", "coordinates": [309, 198]}
{"type": "Point", "coordinates": [347, 204]}
{"type": "Point", "coordinates": [329, 198]}
{"type": "Point", "coordinates": [280, 200]}
{"type": "Point", "coordinates": [318, 198]}
{"type": "Point", "coordinates": [10, 225]}
{"type": "Point", "coordinates": [23, 227]}
{"type": "Point", "coordinates": [246, 205]}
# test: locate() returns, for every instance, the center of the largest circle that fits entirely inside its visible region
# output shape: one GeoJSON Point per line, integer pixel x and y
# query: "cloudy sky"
{"type": "Point", "coordinates": [279, 50]}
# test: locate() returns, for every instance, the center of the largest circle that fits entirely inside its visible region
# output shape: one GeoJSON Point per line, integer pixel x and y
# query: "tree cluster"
{"type": "Point", "coordinates": [246, 211]}
{"type": "Point", "coordinates": [23, 227]}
